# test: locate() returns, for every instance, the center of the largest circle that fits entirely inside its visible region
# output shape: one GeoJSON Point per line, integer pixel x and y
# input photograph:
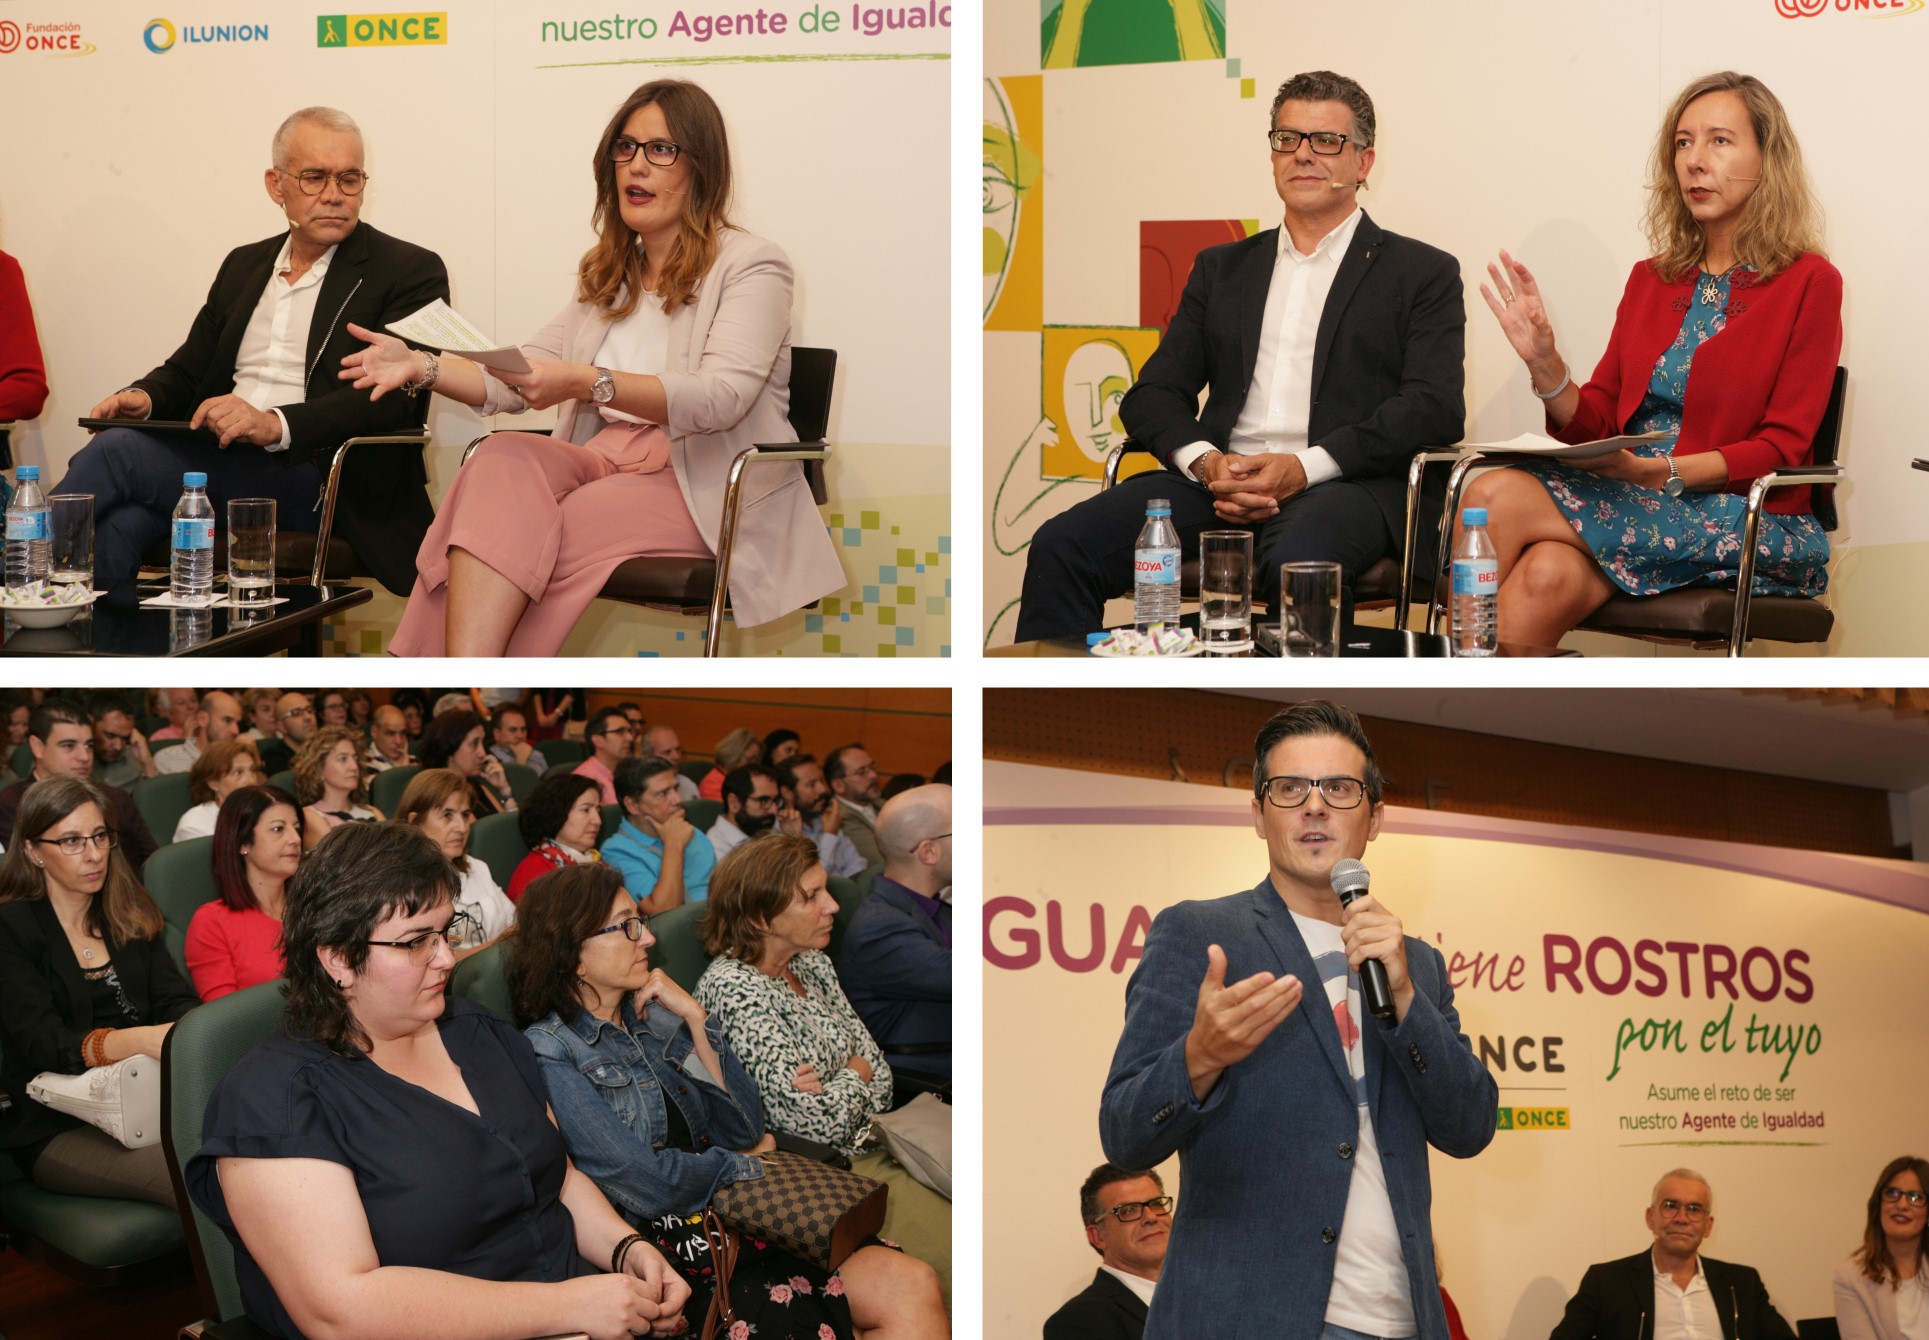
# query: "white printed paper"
{"type": "Point", "coordinates": [1539, 444]}
{"type": "Point", "coordinates": [440, 326]}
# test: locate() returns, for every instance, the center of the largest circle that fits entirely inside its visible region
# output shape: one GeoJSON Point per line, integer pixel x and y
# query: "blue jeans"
{"type": "Point", "coordinates": [135, 478]}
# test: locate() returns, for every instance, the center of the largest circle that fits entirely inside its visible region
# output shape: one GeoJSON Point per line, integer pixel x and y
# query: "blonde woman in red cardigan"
{"type": "Point", "coordinates": [1726, 340]}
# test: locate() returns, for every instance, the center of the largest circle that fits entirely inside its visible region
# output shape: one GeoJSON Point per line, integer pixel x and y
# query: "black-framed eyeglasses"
{"type": "Point", "coordinates": [1326, 143]}
{"type": "Point", "coordinates": [421, 948]}
{"type": "Point", "coordinates": [632, 928]}
{"type": "Point", "coordinates": [1130, 1210]}
{"type": "Point", "coordinates": [1892, 1194]}
{"type": "Point", "coordinates": [312, 180]}
{"type": "Point", "coordinates": [74, 843]}
{"type": "Point", "coordinates": [764, 804]}
{"type": "Point", "coordinates": [294, 712]}
{"type": "Point", "coordinates": [1693, 1209]}
{"type": "Point", "coordinates": [1289, 793]}
{"type": "Point", "coordinates": [660, 152]}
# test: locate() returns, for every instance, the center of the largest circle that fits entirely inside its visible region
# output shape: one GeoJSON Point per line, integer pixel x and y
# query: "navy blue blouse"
{"type": "Point", "coordinates": [443, 1188]}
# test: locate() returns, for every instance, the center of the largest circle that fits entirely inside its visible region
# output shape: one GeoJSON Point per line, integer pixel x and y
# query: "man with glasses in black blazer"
{"type": "Point", "coordinates": [1128, 1218]}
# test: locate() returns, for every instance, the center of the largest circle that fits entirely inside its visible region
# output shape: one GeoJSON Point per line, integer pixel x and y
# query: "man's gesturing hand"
{"type": "Point", "coordinates": [1231, 1021]}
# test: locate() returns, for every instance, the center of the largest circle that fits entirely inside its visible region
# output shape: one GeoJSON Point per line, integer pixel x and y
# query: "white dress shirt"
{"type": "Point", "coordinates": [1138, 1284]}
{"type": "Point", "coordinates": [1279, 400]}
{"type": "Point", "coordinates": [271, 366]}
{"type": "Point", "coordinates": [639, 343]}
{"type": "Point", "coordinates": [1684, 1314]}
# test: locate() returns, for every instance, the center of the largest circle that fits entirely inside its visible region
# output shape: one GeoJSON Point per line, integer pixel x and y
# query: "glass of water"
{"type": "Point", "coordinates": [1226, 591]}
{"type": "Point", "coordinates": [1309, 609]}
{"type": "Point", "coordinates": [71, 551]}
{"type": "Point", "coordinates": [251, 551]}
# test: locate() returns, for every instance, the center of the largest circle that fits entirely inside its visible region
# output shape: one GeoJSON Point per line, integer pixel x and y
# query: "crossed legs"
{"type": "Point", "coordinates": [1549, 578]}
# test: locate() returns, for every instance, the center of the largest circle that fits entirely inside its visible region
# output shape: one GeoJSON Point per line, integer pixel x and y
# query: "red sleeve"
{"type": "Point", "coordinates": [210, 956]}
{"type": "Point", "coordinates": [1786, 431]}
{"type": "Point", "coordinates": [23, 372]}
{"type": "Point", "coordinates": [526, 870]}
{"type": "Point", "coordinates": [1456, 1329]}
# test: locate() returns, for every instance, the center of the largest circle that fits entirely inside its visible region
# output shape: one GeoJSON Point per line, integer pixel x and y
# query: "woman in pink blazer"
{"type": "Point", "coordinates": [672, 360]}
{"type": "Point", "coordinates": [1882, 1292]}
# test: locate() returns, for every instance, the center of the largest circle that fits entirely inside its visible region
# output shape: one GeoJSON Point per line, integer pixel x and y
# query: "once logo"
{"type": "Point", "coordinates": [159, 35]}
{"type": "Point", "coordinates": [1869, 9]}
{"type": "Point", "coordinates": [9, 37]}
{"type": "Point", "coordinates": [55, 39]}
{"type": "Point", "coordinates": [382, 30]}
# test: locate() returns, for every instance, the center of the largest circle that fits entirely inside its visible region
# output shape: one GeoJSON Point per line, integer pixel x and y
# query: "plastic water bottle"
{"type": "Point", "coordinates": [193, 574]}
{"type": "Point", "coordinates": [29, 532]}
{"type": "Point", "coordinates": [1476, 586]}
{"type": "Point", "coordinates": [1155, 568]}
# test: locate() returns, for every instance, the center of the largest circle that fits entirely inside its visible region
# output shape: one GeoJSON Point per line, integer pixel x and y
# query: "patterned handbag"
{"type": "Point", "coordinates": [809, 1209]}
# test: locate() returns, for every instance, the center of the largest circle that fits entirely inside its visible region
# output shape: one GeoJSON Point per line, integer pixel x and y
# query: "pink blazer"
{"type": "Point", "coordinates": [1864, 1310]}
{"type": "Point", "coordinates": [728, 384]}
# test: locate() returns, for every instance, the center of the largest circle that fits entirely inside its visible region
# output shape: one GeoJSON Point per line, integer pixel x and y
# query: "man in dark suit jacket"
{"type": "Point", "coordinates": [1330, 351]}
{"type": "Point", "coordinates": [258, 374]}
{"type": "Point", "coordinates": [895, 962]}
{"type": "Point", "coordinates": [1649, 1295]}
{"type": "Point", "coordinates": [1131, 1253]}
{"type": "Point", "coordinates": [61, 737]}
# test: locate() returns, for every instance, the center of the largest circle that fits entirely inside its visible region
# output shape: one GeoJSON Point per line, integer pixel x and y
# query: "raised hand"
{"type": "Point", "coordinates": [1230, 1022]}
{"type": "Point", "coordinates": [1515, 301]}
{"type": "Point", "coordinates": [661, 987]}
{"type": "Point", "coordinates": [383, 366]}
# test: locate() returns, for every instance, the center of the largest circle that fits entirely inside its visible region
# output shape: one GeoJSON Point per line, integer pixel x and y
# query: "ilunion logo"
{"type": "Point", "coordinates": [159, 35]}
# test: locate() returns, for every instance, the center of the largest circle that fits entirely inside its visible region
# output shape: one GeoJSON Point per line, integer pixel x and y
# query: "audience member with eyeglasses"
{"type": "Point", "coordinates": [1882, 1292]}
{"type": "Point", "coordinates": [660, 1113]}
{"type": "Point", "coordinates": [256, 377]}
{"type": "Point", "coordinates": [751, 804]}
{"type": "Point", "coordinates": [1204, 1069]}
{"type": "Point", "coordinates": [85, 980]}
{"type": "Point", "coordinates": [1128, 1218]}
{"type": "Point", "coordinates": [1317, 397]}
{"type": "Point", "coordinates": [61, 738]}
{"type": "Point", "coordinates": [387, 1158]}
{"type": "Point", "coordinates": [1671, 1290]}
{"type": "Point", "coordinates": [671, 360]}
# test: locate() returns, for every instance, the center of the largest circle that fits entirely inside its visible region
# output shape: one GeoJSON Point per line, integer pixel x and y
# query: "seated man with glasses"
{"type": "Point", "coordinates": [1671, 1289]}
{"type": "Point", "coordinates": [750, 805]}
{"type": "Point", "coordinates": [1127, 1218]}
{"type": "Point", "coordinates": [257, 377]}
{"type": "Point", "coordinates": [61, 739]}
{"type": "Point", "coordinates": [1295, 1221]}
{"type": "Point", "coordinates": [1318, 393]}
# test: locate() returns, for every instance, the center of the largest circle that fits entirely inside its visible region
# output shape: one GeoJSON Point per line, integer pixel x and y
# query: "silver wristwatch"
{"type": "Point", "coordinates": [603, 389]}
{"type": "Point", "coordinates": [1676, 485]}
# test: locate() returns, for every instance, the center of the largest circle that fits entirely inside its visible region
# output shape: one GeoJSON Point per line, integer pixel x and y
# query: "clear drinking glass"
{"type": "Point", "coordinates": [1309, 609]}
{"type": "Point", "coordinates": [1226, 591]}
{"type": "Point", "coordinates": [251, 551]}
{"type": "Point", "coordinates": [72, 546]}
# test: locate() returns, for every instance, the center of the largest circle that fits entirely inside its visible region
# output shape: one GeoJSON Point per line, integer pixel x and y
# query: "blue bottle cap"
{"type": "Point", "coordinates": [26, 472]}
{"type": "Point", "coordinates": [1158, 507]}
{"type": "Point", "coordinates": [194, 479]}
{"type": "Point", "coordinates": [1473, 516]}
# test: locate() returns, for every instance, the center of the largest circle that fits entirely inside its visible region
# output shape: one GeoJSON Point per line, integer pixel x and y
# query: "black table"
{"type": "Point", "coordinates": [1362, 640]}
{"type": "Point", "coordinates": [117, 625]}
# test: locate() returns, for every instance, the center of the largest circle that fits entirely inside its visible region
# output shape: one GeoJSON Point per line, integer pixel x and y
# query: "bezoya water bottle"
{"type": "Point", "coordinates": [193, 544]}
{"type": "Point", "coordinates": [1155, 568]}
{"type": "Point", "coordinates": [1476, 586]}
{"type": "Point", "coordinates": [29, 532]}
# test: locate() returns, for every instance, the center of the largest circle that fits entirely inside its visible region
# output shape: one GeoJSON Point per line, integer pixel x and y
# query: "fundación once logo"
{"type": "Point", "coordinates": [382, 30]}
{"type": "Point", "coordinates": [47, 39]}
{"type": "Point", "coordinates": [160, 35]}
{"type": "Point", "coordinates": [1871, 9]}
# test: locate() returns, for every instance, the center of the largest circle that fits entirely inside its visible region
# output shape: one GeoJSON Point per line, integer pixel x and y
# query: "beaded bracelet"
{"type": "Point", "coordinates": [93, 1048]}
{"type": "Point", "coordinates": [622, 1252]}
{"type": "Point", "coordinates": [431, 369]}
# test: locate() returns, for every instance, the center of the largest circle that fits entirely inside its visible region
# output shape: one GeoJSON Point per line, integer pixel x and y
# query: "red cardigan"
{"type": "Point", "coordinates": [23, 375]}
{"type": "Point", "coordinates": [1756, 392]}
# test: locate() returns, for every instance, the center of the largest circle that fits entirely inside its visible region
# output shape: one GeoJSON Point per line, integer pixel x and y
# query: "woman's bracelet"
{"type": "Point", "coordinates": [431, 369]}
{"type": "Point", "coordinates": [1566, 377]}
{"type": "Point", "coordinates": [622, 1252]}
{"type": "Point", "coordinates": [93, 1048]}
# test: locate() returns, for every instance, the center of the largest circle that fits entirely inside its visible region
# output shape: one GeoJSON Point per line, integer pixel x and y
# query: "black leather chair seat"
{"type": "Point", "coordinates": [663, 581]}
{"type": "Point", "coordinates": [1705, 612]}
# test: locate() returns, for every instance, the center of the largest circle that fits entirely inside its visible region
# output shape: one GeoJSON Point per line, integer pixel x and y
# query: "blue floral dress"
{"type": "Point", "coordinates": [1646, 541]}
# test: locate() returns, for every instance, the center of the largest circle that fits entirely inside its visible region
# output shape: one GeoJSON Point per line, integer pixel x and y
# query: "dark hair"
{"type": "Point", "coordinates": [403, 699]}
{"type": "Point", "coordinates": [506, 709]}
{"type": "Point", "coordinates": [748, 889]}
{"type": "Point", "coordinates": [234, 828]}
{"type": "Point", "coordinates": [1874, 1257]}
{"type": "Point", "coordinates": [599, 721]}
{"type": "Point", "coordinates": [99, 704]}
{"type": "Point", "coordinates": [1108, 1174]}
{"type": "Point", "coordinates": [1316, 716]}
{"type": "Point", "coordinates": [56, 712]}
{"type": "Point", "coordinates": [444, 734]}
{"type": "Point", "coordinates": [903, 781]}
{"type": "Point", "coordinates": [780, 736]}
{"type": "Point", "coordinates": [122, 906]}
{"type": "Point", "coordinates": [834, 761]}
{"type": "Point", "coordinates": [557, 913]}
{"type": "Point", "coordinates": [742, 782]}
{"type": "Point", "coordinates": [942, 777]}
{"type": "Point", "coordinates": [1325, 86]}
{"type": "Point", "coordinates": [323, 695]}
{"type": "Point", "coordinates": [633, 774]}
{"type": "Point", "coordinates": [355, 697]}
{"type": "Point", "coordinates": [626, 707]}
{"type": "Point", "coordinates": [214, 763]}
{"type": "Point", "coordinates": [544, 813]}
{"type": "Point", "coordinates": [787, 770]}
{"type": "Point", "coordinates": [354, 879]}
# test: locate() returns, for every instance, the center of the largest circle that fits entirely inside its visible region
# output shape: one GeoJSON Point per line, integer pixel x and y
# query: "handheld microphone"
{"type": "Point", "coordinates": [1350, 880]}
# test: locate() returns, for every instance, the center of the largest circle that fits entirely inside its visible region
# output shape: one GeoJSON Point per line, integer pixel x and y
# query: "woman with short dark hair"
{"type": "Point", "coordinates": [385, 1163]}
{"type": "Point", "coordinates": [235, 941]}
{"type": "Point", "coordinates": [453, 739]}
{"type": "Point", "coordinates": [85, 980]}
{"type": "Point", "coordinates": [560, 822]}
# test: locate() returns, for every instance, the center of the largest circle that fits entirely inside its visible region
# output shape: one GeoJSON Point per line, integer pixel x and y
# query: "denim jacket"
{"type": "Point", "coordinates": [608, 1086]}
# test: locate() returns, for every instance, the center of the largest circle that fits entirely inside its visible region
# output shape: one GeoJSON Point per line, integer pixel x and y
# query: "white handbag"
{"type": "Point", "coordinates": [123, 1099]}
{"type": "Point", "coordinates": [919, 1137]}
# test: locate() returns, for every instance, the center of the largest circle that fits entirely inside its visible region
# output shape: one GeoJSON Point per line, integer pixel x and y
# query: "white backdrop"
{"type": "Point", "coordinates": [1067, 852]}
{"type": "Point", "coordinates": [1516, 124]}
{"type": "Point", "coordinates": [126, 174]}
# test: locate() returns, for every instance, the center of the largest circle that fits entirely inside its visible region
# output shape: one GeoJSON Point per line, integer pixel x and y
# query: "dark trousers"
{"type": "Point", "coordinates": [135, 478]}
{"type": "Point", "coordinates": [1083, 556]}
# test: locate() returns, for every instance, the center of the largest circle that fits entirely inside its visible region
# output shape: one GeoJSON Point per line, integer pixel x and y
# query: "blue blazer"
{"type": "Point", "coordinates": [896, 970]}
{"type": "Point", "coordinates": [1265, 1162]}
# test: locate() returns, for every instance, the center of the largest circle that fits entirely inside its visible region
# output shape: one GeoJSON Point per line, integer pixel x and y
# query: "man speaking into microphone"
{"type": "Point", "coordinates": [1300, 1119]}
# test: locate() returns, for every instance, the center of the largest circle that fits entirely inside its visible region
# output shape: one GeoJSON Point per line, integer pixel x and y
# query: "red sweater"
{"type": "Point", "coordinates": [1756, 392]}
{"type": "Point", "coordinates": [23, 374]}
